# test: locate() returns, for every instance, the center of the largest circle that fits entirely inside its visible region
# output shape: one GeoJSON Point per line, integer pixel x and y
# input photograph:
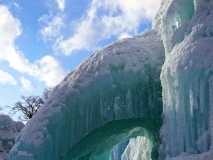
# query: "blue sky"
{"type": "Point", "coordinates": [42, 41]}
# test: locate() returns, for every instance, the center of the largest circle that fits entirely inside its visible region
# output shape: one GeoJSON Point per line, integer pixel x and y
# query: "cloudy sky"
{"type": "Point", "coordinates": [41, 41]}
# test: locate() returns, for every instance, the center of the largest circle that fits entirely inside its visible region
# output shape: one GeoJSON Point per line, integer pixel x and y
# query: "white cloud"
{"type": "Point", "coordinates": [52, 23]}
{"type": "Point", "coordinates": [61, 4]}
{"type": "Point", "coordinates": [51, 71]}
{"type": "Point", "coordinates": [6, 78]}
{"type": "Point", "coordinates": [52, 26]}
{"type": "Point", "coordinates": [16, 5]}
{"type": "Point", "coordinates": [10, 29]}
{"type": "Point", "coordinates": [124, 35]}
{"type": "Point", "coordinates": [26, 85]}
{"type": "Point", "coordinates": [107, 18]}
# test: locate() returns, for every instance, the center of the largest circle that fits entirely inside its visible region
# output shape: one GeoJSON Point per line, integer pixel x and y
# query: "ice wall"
{"type": "Point", "coordinates": [187, 81]}
{"type": "Point", "coordinates": [8, 132]}
{"type": "Point", "coordinates": [119, 82]}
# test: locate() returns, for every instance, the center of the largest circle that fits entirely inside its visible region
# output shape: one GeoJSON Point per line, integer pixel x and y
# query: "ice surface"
{"type": "Point", "coordinates": [8, 132]}
{"type": "Point", "coordinates": [119, 82]}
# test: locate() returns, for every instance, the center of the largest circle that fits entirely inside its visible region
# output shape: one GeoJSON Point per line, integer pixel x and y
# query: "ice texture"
{"type": "Point", "coordinates": [8, 132]}
{"type": "Point", "coordinates": [187, 81]}
{"type": "Point", "coordinates": [122, 81]}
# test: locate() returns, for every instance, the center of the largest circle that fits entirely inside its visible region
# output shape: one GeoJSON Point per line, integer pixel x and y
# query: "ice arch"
{"type": "Point", "coordinates": [102, 139]}
{"type": "Point", "coordinates": [120, 82]}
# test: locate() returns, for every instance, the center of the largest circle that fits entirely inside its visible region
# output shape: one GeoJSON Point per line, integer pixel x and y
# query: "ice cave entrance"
{"type": "Point", "coordinates": [103, 141]}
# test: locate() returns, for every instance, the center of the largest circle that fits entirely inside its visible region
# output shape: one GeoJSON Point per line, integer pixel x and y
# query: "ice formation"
{"type": "Point", "coordinates": [108, 99]}
{"type": "Point", "coordinates": [187, 30]}
{"type": "Point", "coordinates": [122, 83]}
{"type": "Point", "coordinates": [8, 132]}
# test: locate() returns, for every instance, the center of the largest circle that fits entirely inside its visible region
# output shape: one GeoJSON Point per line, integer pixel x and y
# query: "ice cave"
{"type": "Point", "coordinates": [141, 98]}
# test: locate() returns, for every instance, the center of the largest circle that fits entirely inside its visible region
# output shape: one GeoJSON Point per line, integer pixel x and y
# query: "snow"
{"type": "Point", "coordinates": [8, 132]}
{"type": "Point", "coordinates": [122, 81]}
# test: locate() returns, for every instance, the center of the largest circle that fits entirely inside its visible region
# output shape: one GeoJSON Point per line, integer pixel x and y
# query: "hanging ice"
{"type": "Point", "coordinates": [115, 95]}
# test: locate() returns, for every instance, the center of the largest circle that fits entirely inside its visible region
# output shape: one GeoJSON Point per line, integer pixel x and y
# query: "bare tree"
{"type": "Point", "coordinates": [29, 106]}
{"type": "Point", "coordinates": [46, 93]}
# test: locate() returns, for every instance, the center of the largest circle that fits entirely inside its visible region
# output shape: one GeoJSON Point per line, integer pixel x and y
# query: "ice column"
{"type": "Point", "coordinates": [187, 77]}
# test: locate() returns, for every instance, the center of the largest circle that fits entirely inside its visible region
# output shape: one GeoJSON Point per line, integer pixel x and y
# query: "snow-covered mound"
{"type": "Point", "coordinates": [122, 81]}
{"type": "Point", "coordinates": [8, 132]}
{"type": "Point", "coordinates": [187, 79]}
